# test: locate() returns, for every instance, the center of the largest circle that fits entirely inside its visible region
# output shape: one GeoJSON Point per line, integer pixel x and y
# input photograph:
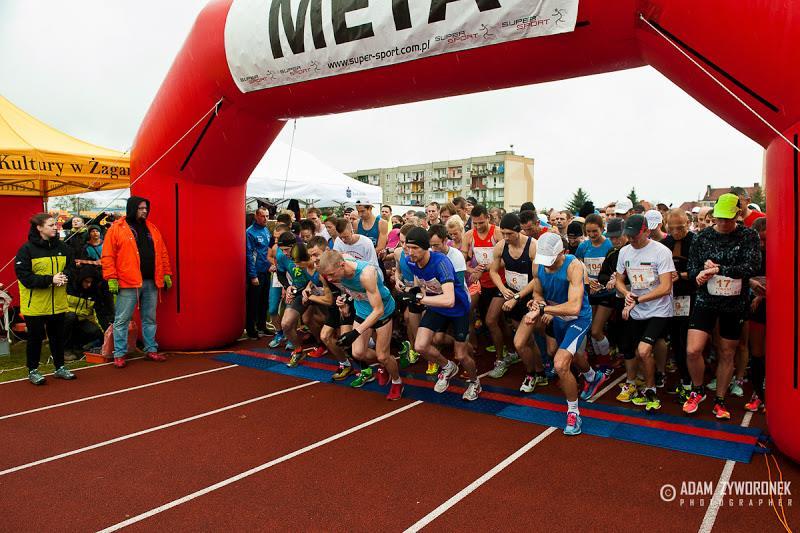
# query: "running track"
{"type": "Point", "coordinates": [228, 447]}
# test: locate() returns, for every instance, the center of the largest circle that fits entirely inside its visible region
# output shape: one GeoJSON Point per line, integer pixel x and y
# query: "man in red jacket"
{"type": "Point", "coordinates": [136, 265]}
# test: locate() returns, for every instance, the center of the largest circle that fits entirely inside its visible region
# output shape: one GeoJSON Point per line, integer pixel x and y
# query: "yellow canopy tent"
{"type": "Point", "coordinates": [38, 160]}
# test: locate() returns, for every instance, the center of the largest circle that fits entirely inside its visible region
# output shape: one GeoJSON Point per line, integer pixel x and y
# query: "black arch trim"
{"type": "Point", "coordinates": [704, 59]}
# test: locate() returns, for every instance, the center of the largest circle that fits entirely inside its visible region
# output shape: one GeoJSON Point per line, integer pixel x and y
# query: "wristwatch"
{"type": "Point", "coordinates": [419, 296]}
{"type": "Point", "coordinates": [542, 305]}
{"type": "Point", "coordinates": [635, 298]}
{"type": "Point", "coordinates": [516, 296]}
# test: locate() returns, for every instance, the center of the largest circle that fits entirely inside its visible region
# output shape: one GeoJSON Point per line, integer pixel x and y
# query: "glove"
{"type": "Point", "coordinates": [347, 340]}
{"type": "Point", "coordinates": [167, 281]}
{"type": "Point", "coordinates": [113, 286]}
{"type": "Point", "coordinates": [410, 296]}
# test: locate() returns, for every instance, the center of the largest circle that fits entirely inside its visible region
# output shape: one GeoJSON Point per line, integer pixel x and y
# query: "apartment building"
{"type": "Point", "coordinates": [500, 180]}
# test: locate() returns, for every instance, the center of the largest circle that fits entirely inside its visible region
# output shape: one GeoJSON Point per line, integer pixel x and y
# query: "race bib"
{"type": "Point", "coordinates": [516, 281]}
{"type": "Point", "coordinates": [276, 282]}
{"type": "Point", "coordinates": [724, 286]}
{"type": "Point", "coordinates": [432, 287]}
{"type": "Point", "coordinates": [484, 256]}
{"type": "Point", "coordinates": [641, 277]}
{"type": "Point", "coordinates": [681, 305]}
{"type": "Point", "coordinates": [593, 265]}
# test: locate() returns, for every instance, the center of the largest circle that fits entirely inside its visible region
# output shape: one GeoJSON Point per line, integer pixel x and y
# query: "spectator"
{"type": "Point", "coordinates": [40, 267]}
{"type": "Point", "coordinates": [136, 265]}
{"type": "Point", "coordinates": [81, 327]}
{"type": "Point", "coordinates": [257, 296]}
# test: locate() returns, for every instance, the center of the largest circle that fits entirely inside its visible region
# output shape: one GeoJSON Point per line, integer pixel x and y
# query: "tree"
{"type": "Point", "coordinates": [632, 196]}
{"type": "Point", "coordinates": [579, 198]}
{"type": "Point", "coordinates": [758, 198]}
{"type": "Point", "coordinates": [75, 204]}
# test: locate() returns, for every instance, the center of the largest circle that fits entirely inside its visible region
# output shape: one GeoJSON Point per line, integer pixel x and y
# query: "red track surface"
{"type": "Point", "coordinates": [386, 476]}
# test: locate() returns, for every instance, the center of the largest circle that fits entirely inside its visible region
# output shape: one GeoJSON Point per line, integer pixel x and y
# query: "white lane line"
{"type": "Point", "coordinates": [716, 501]}
{"type": "Point", "coordinates": [255, 470]}
{"type": "Point", "coordinates": [152, 429]}
{"type": "Point", "coordinates": [112, 393]}
{"type": "Point", "coordinates": [469, 489]}
{"type": "Point", "coordinates": [607, 388]}
{"type": "Point", "coordinates": [72, 369]}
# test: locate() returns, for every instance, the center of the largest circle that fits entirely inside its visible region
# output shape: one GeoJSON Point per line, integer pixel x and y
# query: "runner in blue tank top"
{"type": "Point", "coordinates": [447, 304]}
{"type": "Point", "coordinates": [374, 308]}
{"type": "Point", "coordinates": [378, 231]}
{"type": "Point", "coordinates": [560, 300]}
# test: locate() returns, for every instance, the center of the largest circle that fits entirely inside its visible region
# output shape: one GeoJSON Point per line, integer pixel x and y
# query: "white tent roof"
{"type": "Point", "coordinates": [310, 180]}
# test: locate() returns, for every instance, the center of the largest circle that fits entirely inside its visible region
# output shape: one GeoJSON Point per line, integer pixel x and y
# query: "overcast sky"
{"type": "Point", "coordinates": [92, 67]}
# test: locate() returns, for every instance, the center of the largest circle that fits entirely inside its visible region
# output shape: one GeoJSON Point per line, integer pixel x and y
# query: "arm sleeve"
{"type": "Point", "coordinates": [695, 264]}
{"type": "Point", "coordinates": [250, 256]}
{"type": "Point", "coordinates": [748, 259]}
{"type": "Point", "coordinates": [24, 271]}
{"type": "Point", "coordinates": [608, 267]}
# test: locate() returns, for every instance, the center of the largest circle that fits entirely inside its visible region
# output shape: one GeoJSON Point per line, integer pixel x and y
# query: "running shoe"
{"type": "Point", "coordinates": [754, 404]}
{"type": "Point", "coordinates": [491, 349]}
{"type": "Point", "coordinates": [343, 372]}
{"type": "Point", "coordinates": [590, 387]}
{"type": "Point", "coordinates": [64, 373]}
{"type": "Point", "coordinates": [660, 380]}
{"type": "Point", "coordinates": [290, 346]}
{"type": "Point", "coordinates": [472, 392]}
{"type": "Point", "coordinates": [383, 376]}
{"type": "Point", "coordinates": [541, 380]}
{"type": "Point", "coordinates": [511, 358]}
{"type": "Point", "coordinates": [395, 392]}
{"type": "Point", "coordinates": [573, 424]}
{"type": "Point", "coordinates": [433, 368]}
{"type": "Point", "coordinates": [268, 329]}
{"type": "Point", "coordinates": [413, 356]}
{"type": "Point", "coordinates": [736, 387]}
{"type": "Point", "coordinates": [119, 362]}
{"type": "Point", "coordinates": [36, 378]}
{"type": "Point", "coordinates": [690, 405]}
{"type": "Point", "coordinates": [640, 399]}
{"type": "Point", "coordinates": [528, 384]}
{"type": "Point", "coordinates": [277, 340]}
{"type": "Point", "coordinates": [712, 385]}
{"type": "Point", "coordinates": [405, 346]}
{"type": "Point", "coordinates": [682, 393]}
{"type": "Point", "coordinates": [155, 356]}
{"type": "Point", "coordinates": [628, 393]}
{"type": "Point", "coordinates": [403, 361]}
{"type": "Point", "coordinates": [720, 411]}
{"type": "Point", "coordinates": [363, 377]}
{"type": "Point", "coordinates": [319, 351]}
{"type": "Point", "coordinates": [443, 380]}
{"type": "Point", "coordinates": [499, 370]}
{"type": "Point", "coordinates": [653, 403]}
{"type": "Point", "coordinates": [297, 355]}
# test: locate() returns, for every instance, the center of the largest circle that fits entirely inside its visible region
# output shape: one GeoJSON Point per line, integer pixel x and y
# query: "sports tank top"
{"type": "Point", "coordinates": [371, 233]}
{"type": "Point", "coordinates": [354, 288]}
{"type": "Point", "coordinates": [405, 272]}
{"type": "Point", "coordinates": [555, 287]}
{"type": "Point", "coordinates": [518, 272]}
{"type": "Point", "coordinates": [483, 251]}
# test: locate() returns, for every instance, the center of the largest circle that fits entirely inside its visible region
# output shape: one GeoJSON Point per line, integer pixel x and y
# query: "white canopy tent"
{"type": "Point", "coordinates": [309, 180]}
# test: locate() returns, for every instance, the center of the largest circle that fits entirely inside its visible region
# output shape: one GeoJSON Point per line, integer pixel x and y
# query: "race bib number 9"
{"type": "Point", "coordinates": [724, 286]}
{"type": "Point", "coordinates": [484, 256]}
{"type": "Point", "coordinates": [681, 305]}
{"type": "Point", "coordinates": [641, 277]}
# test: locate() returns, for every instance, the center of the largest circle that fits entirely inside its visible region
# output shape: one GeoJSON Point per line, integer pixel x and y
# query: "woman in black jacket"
{"type": "Point", "coordinates": [40, 267]}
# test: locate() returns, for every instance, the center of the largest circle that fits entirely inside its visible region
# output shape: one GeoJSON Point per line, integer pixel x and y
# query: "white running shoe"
{"type": "Point", "coordinates": [473, 390]}
{"type": "Point", "coordinates": [528, 384]}
{"type": "Point", "coordinates": [444, 378]}
{"type": "Point", "coordinates": [499, 370]}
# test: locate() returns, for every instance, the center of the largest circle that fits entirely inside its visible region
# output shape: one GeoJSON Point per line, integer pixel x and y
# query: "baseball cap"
{"type": "Point", "coordinates": [614, 227]}
{"type": "Point", "coordinates": [365, 203]}
{"type": "Point", "coordinates": [418, 237]}
{"type": "Point", "coordinates": [727, 206]}
{"type": "Point", "coordinates": [575, 229]}
{"type": "Point", "coordinates": [754, 207]}
{"type": "Point", "coordinates": [635, 225]}
{"type": "Point", "coordinates": [696, 209]}
{"type": "Point", "coordinates": [654, 218]}
{"type": "Point", "coordinates": [623, 206]}
{"type": "Point", "coordinates": [472, 200]}
{"type": "Point", "coordinates": [547, 249]}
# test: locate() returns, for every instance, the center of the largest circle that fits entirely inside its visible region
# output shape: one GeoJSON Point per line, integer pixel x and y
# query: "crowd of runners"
{"type": "Point", "coordinates": [569, 297]}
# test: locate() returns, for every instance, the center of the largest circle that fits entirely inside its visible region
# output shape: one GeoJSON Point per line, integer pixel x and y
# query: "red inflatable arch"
{"type": "Point", "coordinates": [410, 50]}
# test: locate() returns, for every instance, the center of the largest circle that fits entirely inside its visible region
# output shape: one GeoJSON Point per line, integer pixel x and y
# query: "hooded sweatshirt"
{"type": "Point", "coordinates": [82, 300]}
{"type": "Point", "coordinates": [36, 263]}
{"type": "Point", "coordinates": [144, 241]}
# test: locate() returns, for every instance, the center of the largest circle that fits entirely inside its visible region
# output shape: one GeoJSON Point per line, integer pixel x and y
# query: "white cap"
{"type": "Point", "coordinates": [696, 209]}
{"type": "Point", "coordinates": [623, 206]}
{"type": "Point", "coordinates": [754, 207]}
{"type": "Point", "coordinates": [654, 218]}
{"type": "Point", "coordinates": [548, 247]}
